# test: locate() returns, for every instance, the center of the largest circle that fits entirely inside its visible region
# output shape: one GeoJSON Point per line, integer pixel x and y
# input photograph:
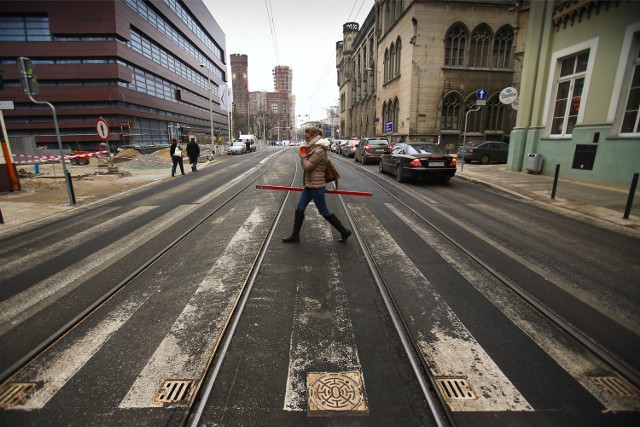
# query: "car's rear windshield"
{"type": "Point", "coordinates": [423, 149]}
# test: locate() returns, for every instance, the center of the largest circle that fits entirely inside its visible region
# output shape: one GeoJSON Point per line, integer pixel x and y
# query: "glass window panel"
{"type": "Point", "coordinates": [583, 61]}
{"type": "Point", "coordinates": [567, 66]}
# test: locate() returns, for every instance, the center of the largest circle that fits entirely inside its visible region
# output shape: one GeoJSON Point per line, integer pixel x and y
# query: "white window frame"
{"type": "Point", "coordinates": [624, 74]}
{"type": "Point", "coordinates": [554, 74]}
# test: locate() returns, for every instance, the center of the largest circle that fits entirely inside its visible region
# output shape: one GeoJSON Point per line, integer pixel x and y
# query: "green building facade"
{"type": "Point", "coordinates": [580, 92]}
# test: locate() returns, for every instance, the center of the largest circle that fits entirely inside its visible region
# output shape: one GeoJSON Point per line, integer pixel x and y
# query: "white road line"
{"type": "Point", "coordinates": [187, 348]}
{"type": "Point", "coordinates": [444, 341]}
{"type": "Point", "coordinates": [578, 362]}
{"type": "Point", "coordinates": [319, 307]}
{"type": "Point", "coordinates": [60, 363]}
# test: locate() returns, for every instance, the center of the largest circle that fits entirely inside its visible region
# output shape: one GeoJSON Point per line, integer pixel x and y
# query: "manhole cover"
{"type": "Point", "coordinates": [455, 388]}
{"type": "Point", "coordinates": [616, 386]}
{"type": "Point", "coordinates": [174, 391]}
{"type": "Point", "coordinates": [12, 394]}
{"type": "Point", "coordinates": [331, 393]}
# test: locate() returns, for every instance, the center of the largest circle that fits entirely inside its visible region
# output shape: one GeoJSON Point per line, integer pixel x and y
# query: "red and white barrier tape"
{"type": "Point", "coordinates": [42, 159]}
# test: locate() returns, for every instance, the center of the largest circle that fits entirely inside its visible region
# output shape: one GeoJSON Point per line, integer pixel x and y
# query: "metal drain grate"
{"type": "Point", "coordinates": [13, 394]}
{"type": "Point", "coordinates": [174, 391]}
{"type": "Point", "coordinates": [456, 388]}
{"type": "Point", "coordinates": [616, 386]}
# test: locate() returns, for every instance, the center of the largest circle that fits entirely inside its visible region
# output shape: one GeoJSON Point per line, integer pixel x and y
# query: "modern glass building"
{"type": "Point", "coordinates": [153, 70]}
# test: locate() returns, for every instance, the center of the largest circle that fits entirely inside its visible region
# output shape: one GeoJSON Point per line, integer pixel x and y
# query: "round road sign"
{"type": "Point", "coordinates": [508, 95]}
{"type": "Point", "coordinates": [102, 128]}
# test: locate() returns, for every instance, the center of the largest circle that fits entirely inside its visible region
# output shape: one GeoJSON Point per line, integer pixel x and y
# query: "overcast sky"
{"type": "Point", "coordinates": [306, 32]}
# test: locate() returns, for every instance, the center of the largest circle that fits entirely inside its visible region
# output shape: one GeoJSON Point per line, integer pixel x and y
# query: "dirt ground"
{"type": "Point", "coordinates": [90, 182]}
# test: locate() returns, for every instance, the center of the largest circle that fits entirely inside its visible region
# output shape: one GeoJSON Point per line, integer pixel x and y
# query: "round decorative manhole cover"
{"type": "Point", "coordinates": [331, 392]}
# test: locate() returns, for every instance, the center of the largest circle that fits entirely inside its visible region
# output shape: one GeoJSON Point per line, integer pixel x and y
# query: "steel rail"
{"type": "Point", "coordinates": [420, 369]}
{"type": "Point", "coordinates": [193, 416]}
{"type": "Point", "coordinates": [10, 372]}
{"type": "Point", "coordinates": [595, 348]}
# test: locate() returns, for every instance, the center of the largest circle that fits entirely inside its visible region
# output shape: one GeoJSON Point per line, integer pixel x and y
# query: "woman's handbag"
{"type": "Point", "coordinates": [331, 173]}
{"type": "Point", "coordinates": [177, 152]}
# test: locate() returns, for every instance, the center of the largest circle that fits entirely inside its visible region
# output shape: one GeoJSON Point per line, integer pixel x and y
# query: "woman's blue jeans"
{"type": "Point", "coordinates": [317, 195]}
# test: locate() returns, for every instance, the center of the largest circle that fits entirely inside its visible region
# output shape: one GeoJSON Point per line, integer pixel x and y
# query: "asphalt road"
{"type": "Point", "coordinates": [455, 259]}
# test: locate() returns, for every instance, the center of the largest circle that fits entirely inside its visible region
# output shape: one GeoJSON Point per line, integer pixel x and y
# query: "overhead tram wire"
{"type": "Point", "coordinates": [269, 7]}
{"type": "Point", "coordinates": [325, 73]}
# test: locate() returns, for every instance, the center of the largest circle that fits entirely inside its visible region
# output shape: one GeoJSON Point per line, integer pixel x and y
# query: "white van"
{"type": "Point", "coordinates": [251, 138]}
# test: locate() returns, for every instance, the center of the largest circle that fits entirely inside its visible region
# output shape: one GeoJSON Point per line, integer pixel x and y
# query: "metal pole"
{"type": "Point", "coordinates": [555, 182]}
{"type": "Point", "coordinates": [464, 137]}
{"type": "Point", "coordinates": [632, 192]}
{"type": "Point", "coordinates": [67, 176]}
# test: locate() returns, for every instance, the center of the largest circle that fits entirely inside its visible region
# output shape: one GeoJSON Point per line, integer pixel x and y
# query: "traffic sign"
{"type": "Point", "coordinates": [508, 95]}
{"type": "Point", "coordinates": [6, 105]}
{"type": "Point", "coordinates": [102, 128]}
{"type": "Point", "coordinates": [481, 94]}
{"type": "Point", "coordinates": [388, 127]}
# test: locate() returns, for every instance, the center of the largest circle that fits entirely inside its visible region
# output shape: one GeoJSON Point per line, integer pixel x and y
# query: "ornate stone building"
{"type": "Point", "coordinates": [414, 68]}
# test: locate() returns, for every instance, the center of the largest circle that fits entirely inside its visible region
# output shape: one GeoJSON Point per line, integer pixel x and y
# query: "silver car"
{"type": "Point", "coordinates": [237, 147]}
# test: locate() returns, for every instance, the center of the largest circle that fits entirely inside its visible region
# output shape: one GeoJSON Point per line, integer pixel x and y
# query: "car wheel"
{"type": "Point", "coordinates": [380, 167]}
{"type": "Point", "coordinates": [399, 176]}
{"type": "Point", "coordinates": [484, 159]}
{"type": "Point", "coordinates": [73, 161]}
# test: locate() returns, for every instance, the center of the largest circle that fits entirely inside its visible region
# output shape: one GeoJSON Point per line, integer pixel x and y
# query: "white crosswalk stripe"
{"type": "Point", "coordinates": [445, 343]}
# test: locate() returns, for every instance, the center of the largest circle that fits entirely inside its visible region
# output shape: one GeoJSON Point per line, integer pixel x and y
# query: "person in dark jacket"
{"type": "Point", "coordinates": [193, 151]}
{"type": "Point", "coordinates": [313, 157]}
{"type": "Point", "coordinates": [176, 156]}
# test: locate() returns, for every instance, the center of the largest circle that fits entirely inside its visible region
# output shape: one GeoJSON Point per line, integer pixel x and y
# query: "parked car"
{"type": "Point", "coordinates": [418, 160]}
{"type": "Point", "coordinates": [371, 149]}
{"type": "Point", "coordinates": [484, 152]}
{"type": "Point", "coordinates": [237, 147]}
{"type": "Point", "coordinates": [341, 144]}
{"type": "Point", "coordinates": [349, 149]}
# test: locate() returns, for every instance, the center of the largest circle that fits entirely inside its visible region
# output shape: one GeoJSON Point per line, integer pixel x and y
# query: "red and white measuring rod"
{"type": "Point", "coordinates": [344, 192]}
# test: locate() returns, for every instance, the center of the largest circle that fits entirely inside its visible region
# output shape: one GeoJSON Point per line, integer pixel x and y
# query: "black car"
{"type": "Point", "coordinates": [418, 160]}
{"type": "Point", "coordinates": [370, 149]}
{"type": "Point", "coordinates": [484, 152]}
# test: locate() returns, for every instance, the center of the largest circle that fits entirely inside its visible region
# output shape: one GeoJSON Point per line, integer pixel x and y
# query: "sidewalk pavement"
{"type": "Point", "coordinates": [597, 204]}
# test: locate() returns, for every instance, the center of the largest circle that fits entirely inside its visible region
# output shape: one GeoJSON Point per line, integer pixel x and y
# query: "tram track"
{"type": "Point", "coordinates": [593, 347]}
{"type": "Point", "coordinates": [8, 373]}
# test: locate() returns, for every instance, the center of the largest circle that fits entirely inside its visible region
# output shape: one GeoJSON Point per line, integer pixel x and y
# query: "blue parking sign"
{"type": "Point", "coordinates": [388, 127]}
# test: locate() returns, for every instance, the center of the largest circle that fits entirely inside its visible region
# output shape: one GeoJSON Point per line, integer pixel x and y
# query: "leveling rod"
{"type": "Point", "coordinates": [343, 192]}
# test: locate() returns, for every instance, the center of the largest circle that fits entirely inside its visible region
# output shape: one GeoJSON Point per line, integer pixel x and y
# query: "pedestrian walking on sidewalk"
{"type": "Point", "coordinates": [313, 157]}
{"type": "Point", "coordinates": [193, 151]}
{"type": "Point", "coordinates": [176, 156]}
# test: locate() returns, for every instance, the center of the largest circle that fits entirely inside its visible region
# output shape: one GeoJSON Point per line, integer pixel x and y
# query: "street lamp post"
{"type": "Point", "coordinates": [210, 107]}
{"type": "Point", "coordinates": [464, 138]}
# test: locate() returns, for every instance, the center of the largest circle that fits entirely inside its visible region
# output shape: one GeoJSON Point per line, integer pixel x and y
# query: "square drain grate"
{"type": "Point", "coordinates": [455, 388]}
{"type": "Point", "coordinates": [336, 393]}
{"type": "Point", "coordinates": [174, 391]}
{"type": "Point", "coordinates": [13, 394]}
{"type": "Point", "coordinates": [616, 386]}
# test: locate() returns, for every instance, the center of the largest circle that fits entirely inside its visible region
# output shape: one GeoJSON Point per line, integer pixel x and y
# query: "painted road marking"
{"type": "Point", "coordinates": [185, 351]}
{"type": "Point", "coordinates": [577, 361]}
{"type": "Point", "coordinates": [448, 347]}
{"type": "Point", "coordinates": [62, 361]}
{"type": "Point", "coordinates": [319, 307]}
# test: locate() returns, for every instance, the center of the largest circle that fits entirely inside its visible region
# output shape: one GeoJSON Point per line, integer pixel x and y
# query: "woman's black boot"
{"type": "Point", "coordinates": [297, 224]}
{"type": "Point", "coordinates": [344, 233]}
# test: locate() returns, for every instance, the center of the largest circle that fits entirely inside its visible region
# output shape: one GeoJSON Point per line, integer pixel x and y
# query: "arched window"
{"type": "Point", "coordinates": [503, 48]}
{"type": "Point", "coordinates": [450, 113]}
{"type": "Point", "coordinates": [386, 65]}
{"type": "Point", "coordinates": [390, 113]}
{"type": "Point", "coordinates": [479, 47]}
{"type": "Point", "coordinates": [399, 8]}
{"type": "Point", "coordinates": [384, 114]}
{"type": "Point", "coordinates": [396, 114]}
{"type": "Point", "coordinates": [494, 116]}
{"type": "Point", "coordinates": [454, 45]}
{"type": "Point", "coordinates": [392, 62]}
{"type": "Point", "coordinates": [398, 56]}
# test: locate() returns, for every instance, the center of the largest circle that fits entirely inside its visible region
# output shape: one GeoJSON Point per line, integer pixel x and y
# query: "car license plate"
{"type": "Point", "coordinates": [441, 164]}
{"type": "Point", "coordinates": [379, 150]}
